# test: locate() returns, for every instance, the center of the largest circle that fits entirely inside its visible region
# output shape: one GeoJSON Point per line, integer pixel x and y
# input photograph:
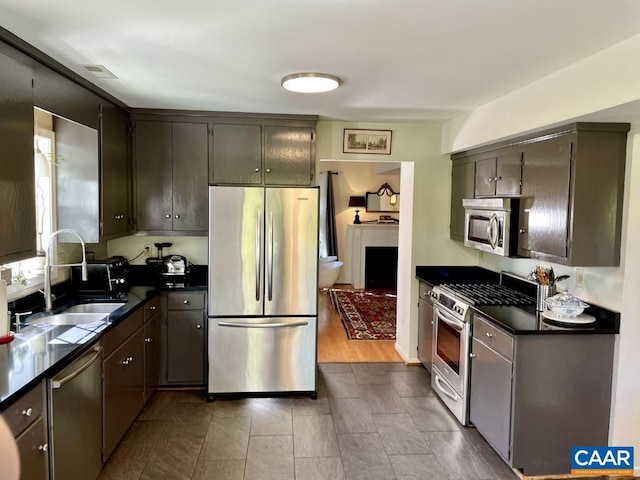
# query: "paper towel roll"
{"type": "Point", "coordinates": [4, 308]}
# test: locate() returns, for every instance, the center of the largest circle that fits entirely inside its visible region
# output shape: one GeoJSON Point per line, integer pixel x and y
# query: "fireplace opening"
{"type": "Point", "coordinates": [381, 267]}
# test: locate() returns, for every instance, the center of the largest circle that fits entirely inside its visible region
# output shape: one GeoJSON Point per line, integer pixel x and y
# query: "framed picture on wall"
{"type": "Point", "coordinates": [377, 142]}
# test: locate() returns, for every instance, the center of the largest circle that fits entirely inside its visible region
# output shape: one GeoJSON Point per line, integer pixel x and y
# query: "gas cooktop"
{"type": "Point", "coordinates": [486, 294]}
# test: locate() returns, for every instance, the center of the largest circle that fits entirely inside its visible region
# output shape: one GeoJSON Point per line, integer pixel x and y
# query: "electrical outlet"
{"type": "Point", "coordinates": [579, 277]}
{"type": "Point", "coordinates": [147, 250]}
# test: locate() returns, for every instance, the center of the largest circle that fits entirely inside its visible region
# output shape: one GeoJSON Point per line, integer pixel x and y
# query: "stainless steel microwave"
{"type": "Point", "coordinates": [491, 225]}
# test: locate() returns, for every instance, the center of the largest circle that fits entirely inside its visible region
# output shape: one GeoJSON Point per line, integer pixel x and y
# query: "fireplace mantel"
{"type": "Point", "coordinates": [359, 237]}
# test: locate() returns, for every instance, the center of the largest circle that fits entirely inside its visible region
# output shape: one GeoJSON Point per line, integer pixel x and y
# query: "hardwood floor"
{"type": "Point", "coordinates": [334, 347]}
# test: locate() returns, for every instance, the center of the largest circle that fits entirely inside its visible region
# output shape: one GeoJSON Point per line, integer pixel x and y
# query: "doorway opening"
{"type": "Point", "coordinates": [389, 268]}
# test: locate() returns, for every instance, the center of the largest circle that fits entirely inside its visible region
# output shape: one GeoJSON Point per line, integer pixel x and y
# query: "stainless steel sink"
{"type": "Point", "coordinates": [94, 308]}
{"type": "Point", "coordinates": [69, 319]}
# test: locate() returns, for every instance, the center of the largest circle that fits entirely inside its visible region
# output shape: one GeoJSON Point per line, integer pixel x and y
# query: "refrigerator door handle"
{"type": "Point", "coordinates": [263, 325]}
{"type": "Point", "coordinates": [270, 259]}
{"type": "Point", "coordinates": [258, 253]}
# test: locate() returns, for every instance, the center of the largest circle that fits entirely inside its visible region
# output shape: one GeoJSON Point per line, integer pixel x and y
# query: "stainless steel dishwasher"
{"type": "Point", "coordinates": [76, 418]}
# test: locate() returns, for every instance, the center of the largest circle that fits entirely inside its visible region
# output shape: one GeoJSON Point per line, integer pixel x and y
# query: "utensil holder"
{"type": "Point", "coordinates": [543, 292]}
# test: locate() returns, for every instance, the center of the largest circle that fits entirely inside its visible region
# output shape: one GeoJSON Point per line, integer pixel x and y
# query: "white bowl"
{"type": "Point", "coordinates": [566, 305]}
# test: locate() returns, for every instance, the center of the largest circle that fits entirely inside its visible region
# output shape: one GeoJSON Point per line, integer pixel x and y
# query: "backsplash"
{"type": "Point", "coordinates": [194, 248]}
{"type": "Point", "coordinates": [602, 285]}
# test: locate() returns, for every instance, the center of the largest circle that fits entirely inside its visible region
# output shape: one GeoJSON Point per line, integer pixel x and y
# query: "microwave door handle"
{"type": "Point", "coordinates": [492, 231]}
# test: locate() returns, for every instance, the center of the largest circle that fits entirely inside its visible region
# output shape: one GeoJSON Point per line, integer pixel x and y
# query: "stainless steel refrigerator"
{"type": "Point", "coordinates": [263, 290]}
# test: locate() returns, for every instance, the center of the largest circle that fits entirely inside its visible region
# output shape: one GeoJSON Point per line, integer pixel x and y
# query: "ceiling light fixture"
{"type": "Point", "coordinates": [310, 82]}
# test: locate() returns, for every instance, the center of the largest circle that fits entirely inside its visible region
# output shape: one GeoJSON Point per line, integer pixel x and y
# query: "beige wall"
{"type": "Point", "coordinates": [194, 248]}
{"type": "Point", "coordinates": [604, 80]}
{"type": "Point", "coordinates": [424, 223]}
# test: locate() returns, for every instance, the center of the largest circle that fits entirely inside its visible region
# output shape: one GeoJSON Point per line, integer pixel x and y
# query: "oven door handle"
{"type": "Point", "coordinates": [456, 324]}
{"type": "Point", "coordinates": [453, 396]}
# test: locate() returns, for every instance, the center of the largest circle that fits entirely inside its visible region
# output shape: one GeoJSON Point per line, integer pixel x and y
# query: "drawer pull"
{"type": "Point", "coordinates": [43, 448]}
{"type": "Point", "coordinates": [490, 335]}
{"type": "Point", "coordinates": [28, 412]}
{"type": "Point", "coordinates": [152, 307]}
{"type": "Point", "coordinates": [168, 215]}
{"type": "Point", "coordinates": [186, 302]}
{"type": "Point", "coordinates": [198, 326]}
{"type": "Point", "coordinates": [147, 340]}
{"type": "Point", "coordinates": [472, 355]}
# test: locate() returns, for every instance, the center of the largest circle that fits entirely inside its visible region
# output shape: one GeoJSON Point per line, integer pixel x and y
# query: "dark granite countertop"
{"type": "Point", "coordinates": [518, 320]}
{"type": "Point", "coordinates": [526, 321]}
{"type": "Point", "coordinates": [39, 352]}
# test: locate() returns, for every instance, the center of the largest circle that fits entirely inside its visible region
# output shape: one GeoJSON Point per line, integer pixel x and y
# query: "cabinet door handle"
{"type": "Point", "coordinates": [186, 302]}
{"type": "Point", "coordinates": [489, 335]}
{"type": "Point", "coordinates": [147, 340]}
{"type": "Point", "coordinates": [28, 412]}
{"type": "Point", "coordinates": [497, 178]}
{"type": "Point", "coordinates": [198, 326]}
{"type": "Point", "coordinates": [268, 170]}
{"type": "Point", "coordinates": [522, 230]}
{"type": "Point", "coordinates": [168, 215]}
{"type": "Point", "coordinates": [43, 448]}
{"type": "Point", "coordinates": [152, 307]}
{"type": "Point", "coordinates": [472, 355]}
{"type": "Point", "coordinates": [177, 216]}
{"type": "Point", "coordinates": [257, 170]}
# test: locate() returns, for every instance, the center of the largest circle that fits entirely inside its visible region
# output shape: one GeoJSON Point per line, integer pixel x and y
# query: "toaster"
{"type": "Point", "coordinates": [110, 276]}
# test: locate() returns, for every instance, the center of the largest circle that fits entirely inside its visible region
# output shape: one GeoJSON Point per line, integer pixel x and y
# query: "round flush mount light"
{"type": "Point", "coordinates": [310, 82]}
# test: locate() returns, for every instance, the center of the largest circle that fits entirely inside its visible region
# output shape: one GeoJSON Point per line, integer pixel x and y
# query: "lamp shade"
{"type": "Point", "coordinates": [357, 202]}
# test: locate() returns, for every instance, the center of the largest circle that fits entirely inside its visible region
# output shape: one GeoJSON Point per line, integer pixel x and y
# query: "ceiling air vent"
{"type": "Point", "coordinates": [100, 71]}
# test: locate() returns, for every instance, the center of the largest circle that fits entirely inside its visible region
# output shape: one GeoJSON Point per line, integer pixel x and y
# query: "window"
{"type": "Point", "coordinates": [27, 276]}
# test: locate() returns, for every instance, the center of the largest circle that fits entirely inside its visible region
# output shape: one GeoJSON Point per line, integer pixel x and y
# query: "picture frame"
{"type": "Point", "coordinates": [356, 140]}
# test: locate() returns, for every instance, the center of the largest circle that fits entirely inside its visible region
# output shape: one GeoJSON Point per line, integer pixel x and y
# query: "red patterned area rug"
{"type": "Point", "coordinates": [366, 315]}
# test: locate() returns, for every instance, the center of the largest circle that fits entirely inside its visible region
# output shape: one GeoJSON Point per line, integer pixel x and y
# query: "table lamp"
{"type": "Point", "coordinates": [357, 202]}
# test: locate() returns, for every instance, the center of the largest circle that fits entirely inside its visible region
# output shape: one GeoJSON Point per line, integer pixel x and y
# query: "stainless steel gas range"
{"type": "Point", "coordinates": [452, 329]}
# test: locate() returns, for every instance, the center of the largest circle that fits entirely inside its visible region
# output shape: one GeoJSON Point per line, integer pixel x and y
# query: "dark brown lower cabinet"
{"type": "Point", "coordinates": [185, 355]}
{"type": "Point", "coordinates": [151, 356]}
{"type": "Point", "coordinates": [33, 450]}
{"type": "Point", "coordinates": [123, 373]}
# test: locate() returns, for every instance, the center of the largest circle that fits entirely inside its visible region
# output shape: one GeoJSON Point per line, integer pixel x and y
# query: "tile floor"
{"type": "Point", "coordinates": [371, 421]}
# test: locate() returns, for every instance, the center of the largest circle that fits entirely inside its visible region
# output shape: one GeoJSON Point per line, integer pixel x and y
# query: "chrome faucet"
{"type": "Point", "coordinates": [48, 300]}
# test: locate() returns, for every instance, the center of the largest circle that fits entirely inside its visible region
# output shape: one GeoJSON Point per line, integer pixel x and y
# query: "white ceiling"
{"type": "Point", "coordinates": [403, 60]}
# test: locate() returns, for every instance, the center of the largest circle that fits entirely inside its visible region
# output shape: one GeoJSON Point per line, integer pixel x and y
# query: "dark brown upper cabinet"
{"type": "Point", "coordinates": [572, 187]}
{"type": "Point", "coordinates": [463, 175]}
{"type": "Point", "coordinates": [171, 176]}
{"type": "Point", "coordinates": [572, 195]}
{"type": "Point", "coordinates": [257, 151]}
{"type": "Point", "coordinates": [499, 176]}
{"type": "Point", "coordinates": [236, 154]}
{"type": "Point", "coordinates": [544, 210]}
{"type": "Point", "coordinates": [17, 194]}
{"type": "Point", "coordinates": [116, 172]}
{"type": "Point", "coordinates": [63, 97]}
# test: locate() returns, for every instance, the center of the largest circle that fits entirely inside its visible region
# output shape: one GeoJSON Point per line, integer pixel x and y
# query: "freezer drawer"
{"type": "Point", "coordinates": [260, 355]}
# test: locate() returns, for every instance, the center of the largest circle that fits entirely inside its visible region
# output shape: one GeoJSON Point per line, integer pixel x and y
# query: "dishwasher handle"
{"type": "Point", "coordinates": [59, 382]}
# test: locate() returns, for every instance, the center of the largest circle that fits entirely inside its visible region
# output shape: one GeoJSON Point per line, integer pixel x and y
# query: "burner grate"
{"type": "Point", "coordinates": [489, 294]}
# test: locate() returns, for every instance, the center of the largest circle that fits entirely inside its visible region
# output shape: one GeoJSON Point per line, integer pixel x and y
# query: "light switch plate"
{"type": "Point", "coordinates": [580, 277]}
